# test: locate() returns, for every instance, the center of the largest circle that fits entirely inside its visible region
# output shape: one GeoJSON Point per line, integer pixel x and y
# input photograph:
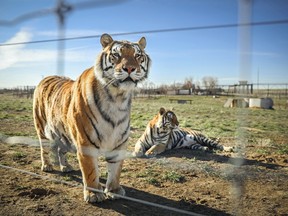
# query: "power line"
{"type": "Point", "coordinates": [193, 28]}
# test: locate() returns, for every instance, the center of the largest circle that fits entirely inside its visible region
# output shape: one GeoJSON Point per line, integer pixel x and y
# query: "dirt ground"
{"type": "Point", "coordinates": [202, 183]}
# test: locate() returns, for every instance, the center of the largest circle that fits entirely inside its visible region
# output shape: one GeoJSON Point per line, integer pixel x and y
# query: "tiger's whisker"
{"type": "Point", "coordinates": [109, 83]}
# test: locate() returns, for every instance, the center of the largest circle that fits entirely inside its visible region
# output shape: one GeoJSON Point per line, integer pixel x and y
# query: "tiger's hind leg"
{"type": "Point", "coordinates": [199, 147]}
{"type": "Point", "coordinates": [45, 149]}
{"type": "Point", "coordinates": [190, 142]}
{"type": "Point", "coordinates": [59, 151]}
{"type": "Point", "coordinates": [64, 165]}
{"type": "Point", "coordinates": [207, 144]}
{"type": "Point", "coordinates": [214, 144]}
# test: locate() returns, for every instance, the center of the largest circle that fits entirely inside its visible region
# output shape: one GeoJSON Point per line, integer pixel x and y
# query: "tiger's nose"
{"type": "Point", "coordinates": [129, 70]}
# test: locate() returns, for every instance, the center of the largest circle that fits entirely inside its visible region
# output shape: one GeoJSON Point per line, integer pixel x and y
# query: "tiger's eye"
{"type": "Point", "coordinates": [116, 55]}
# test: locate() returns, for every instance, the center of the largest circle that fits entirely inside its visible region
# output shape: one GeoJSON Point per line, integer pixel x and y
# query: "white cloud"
{"type": "Point", "coordinates": [9, 55]}
{"type": "Point", "coordinates": [45, 55]}
{"type": "Point", "coordinates": [21, 56]}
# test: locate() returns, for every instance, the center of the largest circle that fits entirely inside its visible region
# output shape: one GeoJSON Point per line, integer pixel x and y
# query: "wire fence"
{"type": "Point", "coordinates": [262, 90]}
{"type": "Point", "coordinates": [63, 8]}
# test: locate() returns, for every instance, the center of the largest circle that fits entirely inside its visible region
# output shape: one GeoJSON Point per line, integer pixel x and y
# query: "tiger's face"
{"type": "Point", "coordinates": [122, 64]}
{"type": "Point", "coordinates": [166, 121]}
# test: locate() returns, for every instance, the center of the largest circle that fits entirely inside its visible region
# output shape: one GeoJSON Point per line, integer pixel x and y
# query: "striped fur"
{"type": "Point", "coordinates": [92, 114]}
{"type": "Point", "coordinates": [163, 133]}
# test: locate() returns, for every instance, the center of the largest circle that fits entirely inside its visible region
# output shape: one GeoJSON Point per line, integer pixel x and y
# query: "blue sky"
{"type": "Point", "coordinates": [175, 55]}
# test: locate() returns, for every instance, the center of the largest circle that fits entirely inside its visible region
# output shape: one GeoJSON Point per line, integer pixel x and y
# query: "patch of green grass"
{"type": "Point", "coordinates": [150, 176]}
{"type": "Point", "coordinates": [20, 187]}
{"type": "Point", "coordinates": [189, 159]}
{"type": "Point", "coordinates": [263, 151]}
{"type": "Point", "coordinates": [4, 115]}
{"type": "Point", "coordinates": [283, 149]}
{"type": "Point", "coordinates": [67, 178]}
{"type": "Point", "coordinates": [147, 173]}
{"type": "Point", "coordinates": [104, 174]}
{"type": "Point", "coordinates": [17, 133]}
{"type": "Point", "coordinates": [153, 181]}
{"type": "Point", "coordinates": [186, 124]}
{"type": "Point", "coordinates": [18, 156]}
{"type": "Point", "coordinates": [173, 176]}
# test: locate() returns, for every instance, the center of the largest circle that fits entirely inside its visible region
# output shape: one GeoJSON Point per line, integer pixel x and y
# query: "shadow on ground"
{"type": "Point", "coordinates": [208, 156]}
{"type": "Point", "coordinates": [128, 207]}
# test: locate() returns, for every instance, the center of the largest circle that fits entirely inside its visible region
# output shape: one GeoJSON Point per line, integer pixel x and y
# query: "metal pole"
{"type": "Point", "coordinates": [61, 10]}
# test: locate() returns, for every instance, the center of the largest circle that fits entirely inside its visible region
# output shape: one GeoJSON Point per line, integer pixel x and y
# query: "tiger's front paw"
{"type": "Point", "coordinates": [93, 197]}
{"type": "Point", "coordinates": [150, 153]}
{"type": "Point", "coordinates": [113, 193]}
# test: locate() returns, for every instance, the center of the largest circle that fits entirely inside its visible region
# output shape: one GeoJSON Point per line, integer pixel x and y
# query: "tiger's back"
{"type": "Point", "coordinates": [51, 102]}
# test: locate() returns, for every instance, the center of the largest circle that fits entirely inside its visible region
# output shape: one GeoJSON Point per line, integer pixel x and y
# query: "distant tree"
{"type": "Point", "coordinates": [210, 83]}
{"type": "Point", "coordinates": [163, 88]}
{"type": "Point", "coordinates": [188, 83]}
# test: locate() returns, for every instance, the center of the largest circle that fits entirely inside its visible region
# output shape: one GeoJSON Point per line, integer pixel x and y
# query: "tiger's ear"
{"type": "Point", "coordinates": [105, 40]}
{"type": "Point", "coordinates": [142, 43]}
{"type": "Point", "coordinates": [162, 111]}
{"type": "Point", "coordinates": [175, 120]}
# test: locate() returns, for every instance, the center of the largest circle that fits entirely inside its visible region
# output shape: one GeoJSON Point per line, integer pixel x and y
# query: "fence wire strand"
{"type": "Point", "coordinates": [155, 31]}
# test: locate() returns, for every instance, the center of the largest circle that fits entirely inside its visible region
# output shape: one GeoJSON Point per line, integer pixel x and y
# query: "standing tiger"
{"type": "Point", "coordinates": [92, 114]}
{"type": "Point", "coordinates": [162, 133]}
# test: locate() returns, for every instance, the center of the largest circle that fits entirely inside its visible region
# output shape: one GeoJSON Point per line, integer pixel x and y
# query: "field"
{"type": "Point", "coordinates": [252, 181]}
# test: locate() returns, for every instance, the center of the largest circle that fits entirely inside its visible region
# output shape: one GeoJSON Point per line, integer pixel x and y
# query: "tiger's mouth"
{"type": "Point", "coordinates": [129, 79]}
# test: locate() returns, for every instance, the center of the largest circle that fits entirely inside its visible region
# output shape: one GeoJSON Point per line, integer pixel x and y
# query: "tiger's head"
{"type": "Point", "coordinates": [122, 63]}
{"type": "Point", "coordinates": [164, 121]}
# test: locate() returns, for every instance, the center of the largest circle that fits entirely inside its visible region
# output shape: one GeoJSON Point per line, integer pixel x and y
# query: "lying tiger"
{"type": "Point", "coordinates": [163, 133]}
